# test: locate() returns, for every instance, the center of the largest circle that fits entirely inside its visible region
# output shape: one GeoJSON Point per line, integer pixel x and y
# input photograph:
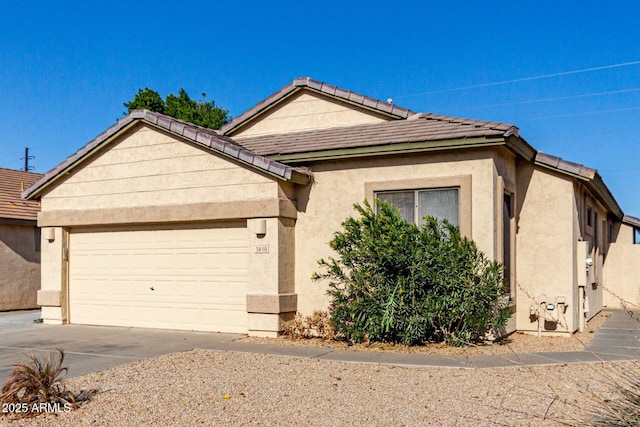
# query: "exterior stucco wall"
{"type": "Point", "coordinates": [149, 168]}
{"type": "Point", "coordinates": [20, 278]}
{"type": "Point", "coordinates": [546, 247]}
{"type": "Point", "coordinates": [52, 295]}
{"type": "Point", "coordinates": [622, 270]}
{"type": "Point", "coordinates": [324, 205]}
{"type": "Point", "coordinates": [271, 298]}
{"type": "Point", "coordinates": [306, 111]}
{"type": "Point", "coordinates": [150, 177]}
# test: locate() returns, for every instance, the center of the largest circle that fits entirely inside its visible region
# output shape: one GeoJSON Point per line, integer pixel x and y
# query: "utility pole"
{"type": "Point", "coordinates": [26, 158]}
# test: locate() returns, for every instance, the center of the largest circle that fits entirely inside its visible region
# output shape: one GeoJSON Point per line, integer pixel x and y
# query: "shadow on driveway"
{"type": "Point", "coordinates": [92, 348]}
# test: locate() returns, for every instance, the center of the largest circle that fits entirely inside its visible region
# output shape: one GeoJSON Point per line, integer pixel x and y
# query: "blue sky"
{"type": "Point", "coordinates": [67, 67]}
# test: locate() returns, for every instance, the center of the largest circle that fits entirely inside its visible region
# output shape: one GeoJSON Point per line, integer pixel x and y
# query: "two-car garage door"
{"type": "Point", "coordinates": [191, 277]}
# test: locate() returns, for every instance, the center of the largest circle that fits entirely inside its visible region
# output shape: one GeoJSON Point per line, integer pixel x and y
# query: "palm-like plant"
{"type": "Point", "coordinates": [38, 381]}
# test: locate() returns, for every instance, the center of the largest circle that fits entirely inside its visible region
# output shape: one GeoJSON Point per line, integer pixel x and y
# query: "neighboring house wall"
{"type": "Point", "coordinates": [305, 111]}
{"type": "Point", "coordinates": [20, 278]}
{"type": "Point", "coordinates": [622, 269]}
{"type": "Point", "coordinates": [545, 249]}
{"type": "Point", "coordinates": [325, 204]}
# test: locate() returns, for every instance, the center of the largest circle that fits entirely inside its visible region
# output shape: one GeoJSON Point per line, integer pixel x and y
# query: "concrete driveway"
{"type": "Point", "coordinates": [95, 348]}
{"type": "Point", "coordinates": [92, 348]}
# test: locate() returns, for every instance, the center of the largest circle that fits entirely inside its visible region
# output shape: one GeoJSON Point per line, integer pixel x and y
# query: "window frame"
{"type": "Point", "coordinates": [416, 200]}
{"type": "Point", "coordinates": [461, 182]}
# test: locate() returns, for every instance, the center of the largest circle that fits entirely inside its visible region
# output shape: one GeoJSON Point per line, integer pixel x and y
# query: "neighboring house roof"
{"type": "Point", "coordinates": [204, 137]}
{"type": "Point", "coordinates": [12, 183]}
{"type": "Point", "coordinates": [631, 220]}
{"type": "Point", "coordinates": [376, 105]}
{"type": "Point", "coordinates": [418, 128]}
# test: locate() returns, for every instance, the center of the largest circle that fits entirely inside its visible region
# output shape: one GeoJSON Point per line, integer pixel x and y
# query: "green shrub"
{"type": "Point", "coordinates": [396, 282]}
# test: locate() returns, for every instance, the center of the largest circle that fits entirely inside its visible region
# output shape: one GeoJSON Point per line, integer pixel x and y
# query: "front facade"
{"type": "Point", "coordinates": [19, 242]}
{"type": "Point", "coordinates": [159, 223]}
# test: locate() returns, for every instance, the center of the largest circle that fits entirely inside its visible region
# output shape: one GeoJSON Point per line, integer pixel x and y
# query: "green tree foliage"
{"type": "Point", "coordinates": [395, 282]}
{"type": "Point", "coordinates": [202, 113]}
{"type": "Point", "coordinates": [146, 99]}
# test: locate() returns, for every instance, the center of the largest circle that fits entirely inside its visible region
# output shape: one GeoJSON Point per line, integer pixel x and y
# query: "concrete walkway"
{"type": "Point", "coordinates": [95, 348]}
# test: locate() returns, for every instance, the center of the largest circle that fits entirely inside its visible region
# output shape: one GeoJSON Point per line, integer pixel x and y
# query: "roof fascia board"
{"type": "Point", "coordinates": [561, 171]}
{"type": "Point", "coordinates": [249, 120]}
{"type": "Point", "coordinates": [81, 159]}
{"type": "Point", "coordinates": [598, 186]}
{"type": "Point", "coordinates": [296, 89]}
{"type": "Point", "coordinates": [408, 147]}
{"type": "Point", "coordinates": [595, 184]}
{"type": "Point", "coordinates": [521, 147]}
{"type": "Point", "coordinates": [631, 220]}
{"type": "Point", "coordinates": [295, 176]}
{"type": "Point", "coordinates": [355, 104]}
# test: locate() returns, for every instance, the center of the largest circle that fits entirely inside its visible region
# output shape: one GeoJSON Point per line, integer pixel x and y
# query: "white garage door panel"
{"type": "Point", "coordinates": [173, 278]}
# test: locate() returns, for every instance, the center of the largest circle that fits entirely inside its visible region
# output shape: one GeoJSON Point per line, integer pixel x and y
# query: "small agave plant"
{"type": "Point", "coordinates": [36, 385]}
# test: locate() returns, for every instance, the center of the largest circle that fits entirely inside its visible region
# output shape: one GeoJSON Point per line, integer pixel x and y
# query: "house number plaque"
{"type": "Point", "coordinates": [262, 249]}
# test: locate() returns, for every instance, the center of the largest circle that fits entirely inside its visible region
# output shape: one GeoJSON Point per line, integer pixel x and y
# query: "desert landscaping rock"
{"type": "Point", "coordinates": [241, 387]}
{"type": "Point", "coordinates": [204, 387]}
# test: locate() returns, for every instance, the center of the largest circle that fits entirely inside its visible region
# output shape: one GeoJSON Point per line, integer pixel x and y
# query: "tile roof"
{"type": "Point", "coordinates": [382, 107]}
{"type": "Point", "coordinates": [204, 137]}
{"type": "Point", "coordinates": [631, 220]}
{"type": "Point", "coordinates": [592, 179]}
{"type": "Point", "coordinates": [418, 128]}
{"type": "Point", "coordinates": [564, 166]}
{"type": "Point", "coordinates": [12, 183]}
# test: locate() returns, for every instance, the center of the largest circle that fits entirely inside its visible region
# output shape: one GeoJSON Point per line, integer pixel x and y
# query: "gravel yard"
{"type": "Point", "coordinates": [206, 387]}
{"type": "Point", "coordinates": [228, 388]}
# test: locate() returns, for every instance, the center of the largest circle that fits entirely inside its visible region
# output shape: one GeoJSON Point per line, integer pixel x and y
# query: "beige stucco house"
{"type": "Point", "coordinates": [19, 242]}
{"type": "Point", "coordinates": [159, 223]}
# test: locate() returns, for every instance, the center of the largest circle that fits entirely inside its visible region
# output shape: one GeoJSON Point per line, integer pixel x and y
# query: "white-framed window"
{"type": "Point", "coordinates": [414, 205]}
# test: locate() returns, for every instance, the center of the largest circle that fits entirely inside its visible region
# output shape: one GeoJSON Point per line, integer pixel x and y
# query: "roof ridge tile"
{"type": "Point", "coordinates": [327, 89]}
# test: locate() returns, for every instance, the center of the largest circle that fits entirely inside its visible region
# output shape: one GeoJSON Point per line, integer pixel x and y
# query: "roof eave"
{"type": "Point", "coordinates": [396, 148]}
{"type": "Point", "coordinates": [206, 138]}
{"type": "Point", "coordinates": [234, 152]}
{"type": "Point", "coordinates": [521, 147]}
{"type": "Point", "coordinates": [631, 220]}
{"type": "Point", "coordinates": [38, 187]}
{"type": "Point", "coordinates": [360, 101]}
{"type": "Point", "coordinates": [590, 177]}
{"type": "Point", "coordinates": [598, 186]}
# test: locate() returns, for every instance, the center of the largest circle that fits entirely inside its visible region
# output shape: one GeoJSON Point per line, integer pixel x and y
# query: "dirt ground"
{"type": "Point", "coordinates": [514, 343]}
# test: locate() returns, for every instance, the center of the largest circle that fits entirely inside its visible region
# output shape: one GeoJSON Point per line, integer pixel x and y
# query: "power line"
{"type": "Point", "coordinates": [586, 113]}
{"type": "Point", "coordinates": [524, 79]}
{"type": "Point", "coordinates": [597, 132]}
{"type": "Point", "coordinates": [562, 98]}
{"type": "Point", "coordinates": [10, 156]}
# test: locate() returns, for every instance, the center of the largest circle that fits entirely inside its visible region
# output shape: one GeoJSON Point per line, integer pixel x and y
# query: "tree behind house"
{"type": "Point", "coordinates": [202, 113]}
